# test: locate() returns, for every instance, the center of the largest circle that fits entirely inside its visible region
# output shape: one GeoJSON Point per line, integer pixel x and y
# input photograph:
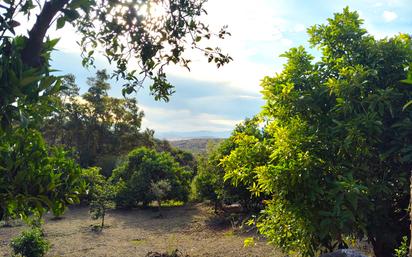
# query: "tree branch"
{"type": "Point", "coordinates": [31, 53]}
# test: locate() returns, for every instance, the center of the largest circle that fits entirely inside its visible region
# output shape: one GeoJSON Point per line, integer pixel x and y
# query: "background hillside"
{"type": "Point", "coordinates": [195, 145]}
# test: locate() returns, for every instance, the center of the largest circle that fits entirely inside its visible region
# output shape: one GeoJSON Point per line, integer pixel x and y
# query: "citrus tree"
{"type": "Point", "coordinates": [337, 141]}
{"type": "Point", "coordinates": [146, 167]}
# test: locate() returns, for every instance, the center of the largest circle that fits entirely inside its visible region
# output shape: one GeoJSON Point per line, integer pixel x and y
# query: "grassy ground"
{"type": "Point", "coordinates": [193, 229]}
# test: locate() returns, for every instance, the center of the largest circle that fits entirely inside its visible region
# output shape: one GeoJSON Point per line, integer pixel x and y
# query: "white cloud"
{"type": "Point", "coordinates": [167, 119]}
{"type": "Point", "coordinates": [258, 30]}
{"type": "Point", "coordinates": [389, 16]}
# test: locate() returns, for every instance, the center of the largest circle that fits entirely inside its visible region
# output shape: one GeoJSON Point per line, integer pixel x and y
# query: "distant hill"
{"type": "Point", "coordinates": [195, 145]}
{"type": "Point", "coordinates": [183, 135]}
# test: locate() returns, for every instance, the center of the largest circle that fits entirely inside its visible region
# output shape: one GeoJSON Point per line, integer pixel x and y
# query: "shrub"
{"type": "Point", "coordinates": [210, 183]}
{"type": "Point", "coordinates": [101, 193]}
{"type": "Point", "coordinates": [144, 167]}
{"type": "Point", "coordinates": [30, 243]}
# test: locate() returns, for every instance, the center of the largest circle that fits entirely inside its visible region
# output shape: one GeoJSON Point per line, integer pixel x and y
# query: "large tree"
{"type": "Point", "coordinates": [149, 33]}
{"type": "Point", "coordinates": [99, 127]}
{"type": "Point", "coordinates": [337, 139]}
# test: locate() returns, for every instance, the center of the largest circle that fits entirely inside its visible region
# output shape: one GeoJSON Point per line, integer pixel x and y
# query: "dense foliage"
{"type": "Point", "coordinates": [160, 190]}
{"type": "Point", "coordinates": [335, 157]}
{"type": "Point", "coordinates": [33, 177]}
{"type": "Point", "coordinates": [151, 33]}
{"type": "Point", "coordinates": [143, 167]}
{"type": "Point", "coordinates": [102, 129]}
{"type": "Point", "coordinates": [99, 127]}
{"type": "Point", "coordinates": [30, 243]}
{"type": "Point", "coordinates": [210, 182]}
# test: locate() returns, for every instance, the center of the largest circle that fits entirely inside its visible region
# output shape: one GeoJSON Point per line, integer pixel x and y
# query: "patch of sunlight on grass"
{"type": "Point", "coordinates": [169, 203]}
{"type": "Point", "coordinates": [229, 233]}
{"type": "Point", "coordinates": [137, 241]}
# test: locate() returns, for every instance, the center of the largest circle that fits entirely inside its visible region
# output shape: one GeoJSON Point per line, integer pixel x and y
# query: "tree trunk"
{"type": "Point", "coordinates": [159, 203]}
{"type": "Point", "coordinates": [31, 54]}
{"type": "Point", "coordinates": [103, 214]}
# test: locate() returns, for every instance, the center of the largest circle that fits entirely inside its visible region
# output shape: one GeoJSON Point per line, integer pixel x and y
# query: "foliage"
{"type": "Point", "coordinates": [25, 92]}
{"type": "Point", "coordinates": [125, 30]}
{"type": "Point", "coordinates": [92, 177]}
{"type": "Point", "coordinates": [101, 128]}
{"type": "Point", "coordinates": [35, 178]}
{"type": "Point", "coordinates": [101, 192]}
{"type": "Point", "coordinates": [335, 156]}
{"type": "Point", "coordinates": [211, 183]}
{"type": "Point", "coordinates": [152, 33]}
{"type": "Point", "coordinates": [184, 158]}
{"type": "Point", "coordinates": [207, 184]}
{"type": "Point", "coordinates": [30, 243]}
{"type": "Point", "coordinates": [144, 167]}
{"type": "Point", "coordinates": [402, 250]}
{"type": "Point", "coordinates": [160, 189]}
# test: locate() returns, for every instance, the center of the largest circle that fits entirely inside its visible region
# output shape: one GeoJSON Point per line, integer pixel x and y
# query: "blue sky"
{"type": "Point", "coordinates": [214, 100]}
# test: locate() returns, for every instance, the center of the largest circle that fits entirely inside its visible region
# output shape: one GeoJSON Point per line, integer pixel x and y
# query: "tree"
{"type": "Point", "coordinates": [337, 141]}
{"type": "Point", "coordinates": [212, 184]}
{"type": "Point", "coordinates": [32, 174]}
{"type": "Point", "coordinates": [31, 243]}
{"type": "Point", "coordinates": [101, 193]}
{"type": "Point", "coordinates": [125, 30]}
{"type": "Point", "coordinates": [144, 167]}
{"type": "Point", "coordinates": [150, 33]}
{"type": "Point", "coordinates": [35, 178]}
{"type": "Point", "coordinates": [101, 128]}
{"type": "Point", "coordinates": [160, 189]}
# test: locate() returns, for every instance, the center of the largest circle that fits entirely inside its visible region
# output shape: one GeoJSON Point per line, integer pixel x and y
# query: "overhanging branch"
{"type": "Point", "coordinates": [31, 53]}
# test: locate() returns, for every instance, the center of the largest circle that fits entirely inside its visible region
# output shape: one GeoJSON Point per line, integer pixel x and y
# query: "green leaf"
{"type": "Point", "coordinates": [28, 80]}
{"type": "Point", "coordinates": [60, 22]}
{"type": "Point", "coordinates": [407, 105]}
{"type": "Point", "coordinates": [70, 15]}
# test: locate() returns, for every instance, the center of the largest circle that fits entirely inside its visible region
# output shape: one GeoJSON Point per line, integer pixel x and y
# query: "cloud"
{"type": "Point", "coordinates": [214, 99]}
{"type": "Point", "coordinates": [389, 16]}
{"type": "Point", "coordinates": [171, 119]}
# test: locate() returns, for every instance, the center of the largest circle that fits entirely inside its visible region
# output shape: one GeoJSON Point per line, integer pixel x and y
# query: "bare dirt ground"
{"type": "Point", "coordinates": [192, 229]}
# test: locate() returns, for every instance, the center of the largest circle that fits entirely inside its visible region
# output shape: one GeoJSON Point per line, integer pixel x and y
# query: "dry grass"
{"type": "Point", "coordinates": [137, 232]}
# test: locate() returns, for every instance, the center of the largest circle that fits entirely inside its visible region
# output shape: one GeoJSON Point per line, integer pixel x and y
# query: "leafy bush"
{"type": "Point", "coordinates": [100, 195]}
{"type": "Point", "coordinates": [337, 143]}
{"type": "Point", "coordinates": [30, 243]}
{"type": "Point", "coordinates": [144, 167]}
{"type": "Point", "coordinates": [403, 249]}
{"type": "Point", "coordinates": [35, 178]}
{"type": "Point", "coordinates": [210, 183]}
